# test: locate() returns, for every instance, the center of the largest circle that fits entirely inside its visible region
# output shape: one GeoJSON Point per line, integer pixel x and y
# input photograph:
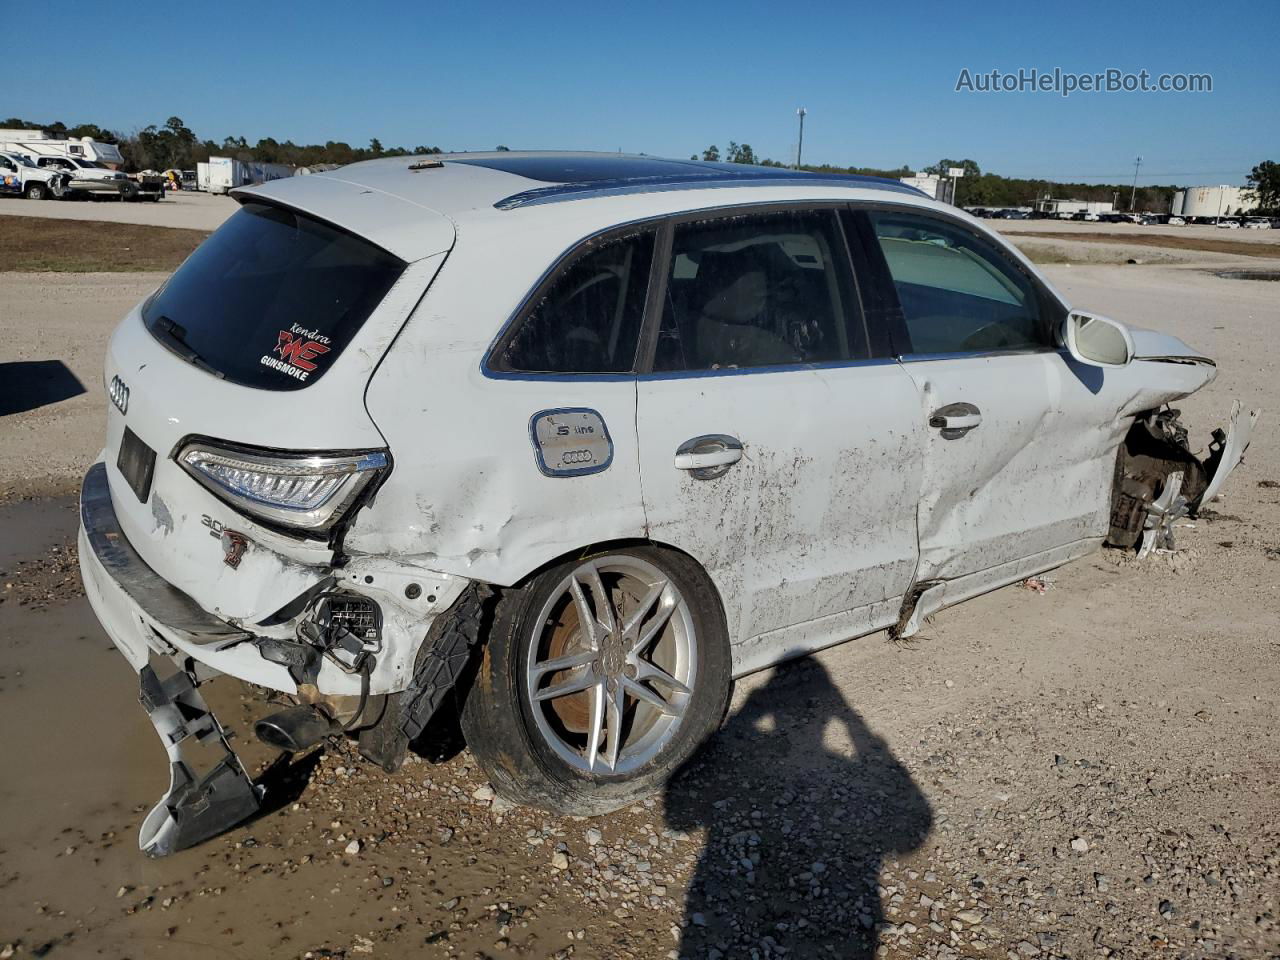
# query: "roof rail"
{"type": "Point", "coordinates": [559, 192]}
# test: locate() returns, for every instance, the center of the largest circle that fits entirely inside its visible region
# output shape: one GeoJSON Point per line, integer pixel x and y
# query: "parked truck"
{"type": "Point", "coordinates": [19, 176]}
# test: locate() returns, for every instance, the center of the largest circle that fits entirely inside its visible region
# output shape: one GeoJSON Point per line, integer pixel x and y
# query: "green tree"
{"type": "Point", "coordinates": [1264, 187]}
{"type": "Point", "coordinates": [711, 153]}
{"type": "Point", "coordinates": [740, 153]}
{"type": "Point", "coordinates": [375, 147]}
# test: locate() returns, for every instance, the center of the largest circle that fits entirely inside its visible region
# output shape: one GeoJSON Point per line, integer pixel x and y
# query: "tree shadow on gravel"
{"type": "Point", "coordinates": [802, 803]}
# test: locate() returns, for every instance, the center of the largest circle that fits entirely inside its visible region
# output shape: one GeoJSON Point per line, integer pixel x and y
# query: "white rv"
{"type": "Point", "coordinates": [39, 143]}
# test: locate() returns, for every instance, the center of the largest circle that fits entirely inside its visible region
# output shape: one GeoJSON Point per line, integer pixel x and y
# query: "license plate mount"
{"type": "Point", "coordinates": [137, 464]}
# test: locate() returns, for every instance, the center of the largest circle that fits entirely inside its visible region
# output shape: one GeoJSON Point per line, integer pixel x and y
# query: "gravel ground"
{"type": "Point", "coordinates": [53, 335]}
{"type": "Point", "coordinates": [1087, 771]}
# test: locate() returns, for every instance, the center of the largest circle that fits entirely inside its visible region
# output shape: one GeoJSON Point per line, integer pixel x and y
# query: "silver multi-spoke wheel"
{"type": "Point", "coordinates": [611, 664]}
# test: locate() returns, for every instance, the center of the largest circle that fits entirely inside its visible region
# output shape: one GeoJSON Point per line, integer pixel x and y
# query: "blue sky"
{"type": "Point", "coordinates": [671, 78]}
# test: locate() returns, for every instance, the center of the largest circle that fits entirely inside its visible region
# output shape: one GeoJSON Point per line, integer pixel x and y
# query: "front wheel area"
{"type": "Point", "coordinates": [600, 678]}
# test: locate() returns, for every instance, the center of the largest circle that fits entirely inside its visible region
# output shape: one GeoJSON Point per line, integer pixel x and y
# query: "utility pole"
{"type": "Point", "coordinates": [1134, 192]}
{"type": "Point", "coordinates": [800, 144]}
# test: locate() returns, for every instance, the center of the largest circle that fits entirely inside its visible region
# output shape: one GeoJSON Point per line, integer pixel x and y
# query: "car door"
{"type": "Point", "coordinates": [1004, 490]}
{"type": "Point", "coordinates": [774, 447]}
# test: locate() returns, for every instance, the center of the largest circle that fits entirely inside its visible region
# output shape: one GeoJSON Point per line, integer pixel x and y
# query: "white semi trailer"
{"type": "Point", "coordinates": [223, 174]}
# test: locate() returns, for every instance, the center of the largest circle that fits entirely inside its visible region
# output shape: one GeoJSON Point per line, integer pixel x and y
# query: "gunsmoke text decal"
{"type": "Point", "coordinates": [297, 349]}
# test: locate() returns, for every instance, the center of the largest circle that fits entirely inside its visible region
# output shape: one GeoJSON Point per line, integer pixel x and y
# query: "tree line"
{"type": "Point", "coordinates": [174, 145]}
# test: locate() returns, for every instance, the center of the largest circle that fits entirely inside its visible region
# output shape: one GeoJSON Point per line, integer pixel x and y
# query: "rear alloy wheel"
{"type": "Point", "coordinates": [601, 677]}
{"type": "Point", "coordinates": [34, 191]}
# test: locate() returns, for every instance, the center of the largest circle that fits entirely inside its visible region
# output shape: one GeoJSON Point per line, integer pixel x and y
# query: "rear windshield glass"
{"type": "Point", "coordinates": [271, 299]}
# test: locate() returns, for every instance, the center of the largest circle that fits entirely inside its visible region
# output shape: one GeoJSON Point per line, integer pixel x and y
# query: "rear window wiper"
{"type": "Point", "coordinates": [175, 339]}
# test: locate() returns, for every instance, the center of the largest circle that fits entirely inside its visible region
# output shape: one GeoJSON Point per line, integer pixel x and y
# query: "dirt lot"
{"type": "Point", "coordinates": [1239, 248]}
{"type": "Point", "coordinates": [1088, 771]}
{"type": "Point", "coordinates": [36, 245]}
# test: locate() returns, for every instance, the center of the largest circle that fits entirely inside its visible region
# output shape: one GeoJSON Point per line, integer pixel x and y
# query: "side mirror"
{"type": "Point", "coordinates": [1097, 341]}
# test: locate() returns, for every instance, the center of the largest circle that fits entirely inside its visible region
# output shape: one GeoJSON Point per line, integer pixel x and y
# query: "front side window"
{"type": "Point", "coordinates": [959, 294]}
{"type": "Point", "coordinates": [588, 320]}
{"type": "Point", "coordinates": [759, 290]}
{"type": "Point", "coordinates": [271, 299]}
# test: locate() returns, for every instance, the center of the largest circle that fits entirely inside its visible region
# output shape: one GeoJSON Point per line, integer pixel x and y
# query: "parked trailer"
{"type": "Point", "coordinates": [225, 173]}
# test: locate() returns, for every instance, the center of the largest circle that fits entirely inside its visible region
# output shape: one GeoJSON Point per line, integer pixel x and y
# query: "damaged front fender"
{"type": "Point", "coordinates": [1159, 480]}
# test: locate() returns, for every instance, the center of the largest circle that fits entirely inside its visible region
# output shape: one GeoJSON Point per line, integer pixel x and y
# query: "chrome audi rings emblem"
{"type": "Point", "coordinates": [119, 394]}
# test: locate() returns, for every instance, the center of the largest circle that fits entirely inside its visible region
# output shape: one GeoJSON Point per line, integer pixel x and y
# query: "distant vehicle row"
{"type": "Point", "coordinates": [1143, 219]}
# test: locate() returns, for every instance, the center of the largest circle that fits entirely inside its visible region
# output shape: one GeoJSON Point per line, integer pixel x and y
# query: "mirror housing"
{"type": "Point", "coordinates": [1096, 340]}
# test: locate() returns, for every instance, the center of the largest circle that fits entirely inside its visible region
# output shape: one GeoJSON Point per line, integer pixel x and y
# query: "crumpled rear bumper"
{"type": "Point", "coordinates": [143, 613]}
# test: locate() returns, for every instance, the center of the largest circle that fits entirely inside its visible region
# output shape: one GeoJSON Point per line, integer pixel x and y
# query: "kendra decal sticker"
{"type": "Point", "coordinates": [297, 348]}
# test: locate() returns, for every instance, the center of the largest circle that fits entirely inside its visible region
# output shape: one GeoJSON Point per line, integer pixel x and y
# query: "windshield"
{"type": "Point", "coordinates": [271, 299]}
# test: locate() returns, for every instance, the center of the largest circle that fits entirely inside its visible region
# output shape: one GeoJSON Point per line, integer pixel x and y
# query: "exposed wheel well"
{"type": "Point", "coordinates": [1155, 446]}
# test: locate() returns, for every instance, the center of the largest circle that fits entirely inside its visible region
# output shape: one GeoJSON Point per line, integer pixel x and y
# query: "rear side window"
{"type": "Point", "coordinates": [959, 294]}
{"type": "Point", "coordinates": [272, 298]}
{"type": "Point", "coordinates": [759, 290]}
{"type": "Point", "coordinates": [588, 320]}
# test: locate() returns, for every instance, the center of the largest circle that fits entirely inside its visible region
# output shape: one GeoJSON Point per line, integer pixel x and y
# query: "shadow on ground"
{"type": "Point", "coordinates": [801, 803]}
{"type": "Point", "coordinates": [31, 384]}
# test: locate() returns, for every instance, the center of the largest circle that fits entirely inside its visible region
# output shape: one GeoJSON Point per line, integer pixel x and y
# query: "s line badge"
{"type": "Point", "coordinates": [570, 442]}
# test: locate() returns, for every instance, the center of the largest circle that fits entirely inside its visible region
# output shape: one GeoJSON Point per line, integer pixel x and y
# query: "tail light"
{"type": "Point", "coordinates": [307, 491]}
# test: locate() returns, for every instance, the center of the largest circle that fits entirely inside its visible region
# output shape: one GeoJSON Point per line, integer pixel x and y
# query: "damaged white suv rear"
{"type": "Point", "coordinates": [581, 438]}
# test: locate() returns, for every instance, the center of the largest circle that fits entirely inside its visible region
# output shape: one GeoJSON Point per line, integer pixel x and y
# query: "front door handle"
{"type": "Point", "coordinates": [708, 456]}
{"type": "Point", "coordinates": [955, 420]}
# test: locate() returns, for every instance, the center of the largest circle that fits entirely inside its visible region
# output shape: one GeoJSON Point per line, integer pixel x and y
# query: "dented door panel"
{"type": "Point", "coordinates": [818, 517]}
{"type": "Point", "coordinates": [1044, 479]}
{"type": "Point", "coordinates": [986, 498]}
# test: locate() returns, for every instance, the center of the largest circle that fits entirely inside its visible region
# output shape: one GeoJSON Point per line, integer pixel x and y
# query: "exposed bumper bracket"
{"type": "Point", "coordinates": [195, 808]}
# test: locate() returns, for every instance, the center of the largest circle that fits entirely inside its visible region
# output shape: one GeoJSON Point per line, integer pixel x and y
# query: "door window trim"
{"type": "Point", "coordinates": [550, 277]}
{"type": "Point", "coordinates": [656, 304]}
{"type": "Point", "coordinates": [876, 262]}
{"type": "Point", "coordinates": [861, 253]}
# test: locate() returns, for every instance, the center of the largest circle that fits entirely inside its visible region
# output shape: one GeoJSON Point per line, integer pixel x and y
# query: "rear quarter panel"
{"type": "Point", "coordinates": [466, 496]}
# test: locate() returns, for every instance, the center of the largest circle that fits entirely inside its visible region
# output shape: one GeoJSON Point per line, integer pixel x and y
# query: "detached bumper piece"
{"type": "Point", "coordinates": [196, 807]}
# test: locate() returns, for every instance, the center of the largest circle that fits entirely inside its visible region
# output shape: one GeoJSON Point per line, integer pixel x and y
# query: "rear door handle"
{"type": "Point", "coordinates": [708, 456]}
{"type": "Point", "coordinates": [955, 420]}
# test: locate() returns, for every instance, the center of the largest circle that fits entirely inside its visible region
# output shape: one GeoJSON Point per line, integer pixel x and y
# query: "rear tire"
{"type": "Point", "coordinates": [35, 191]}
{"type": "Point", "coordinates": [632, 696]}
